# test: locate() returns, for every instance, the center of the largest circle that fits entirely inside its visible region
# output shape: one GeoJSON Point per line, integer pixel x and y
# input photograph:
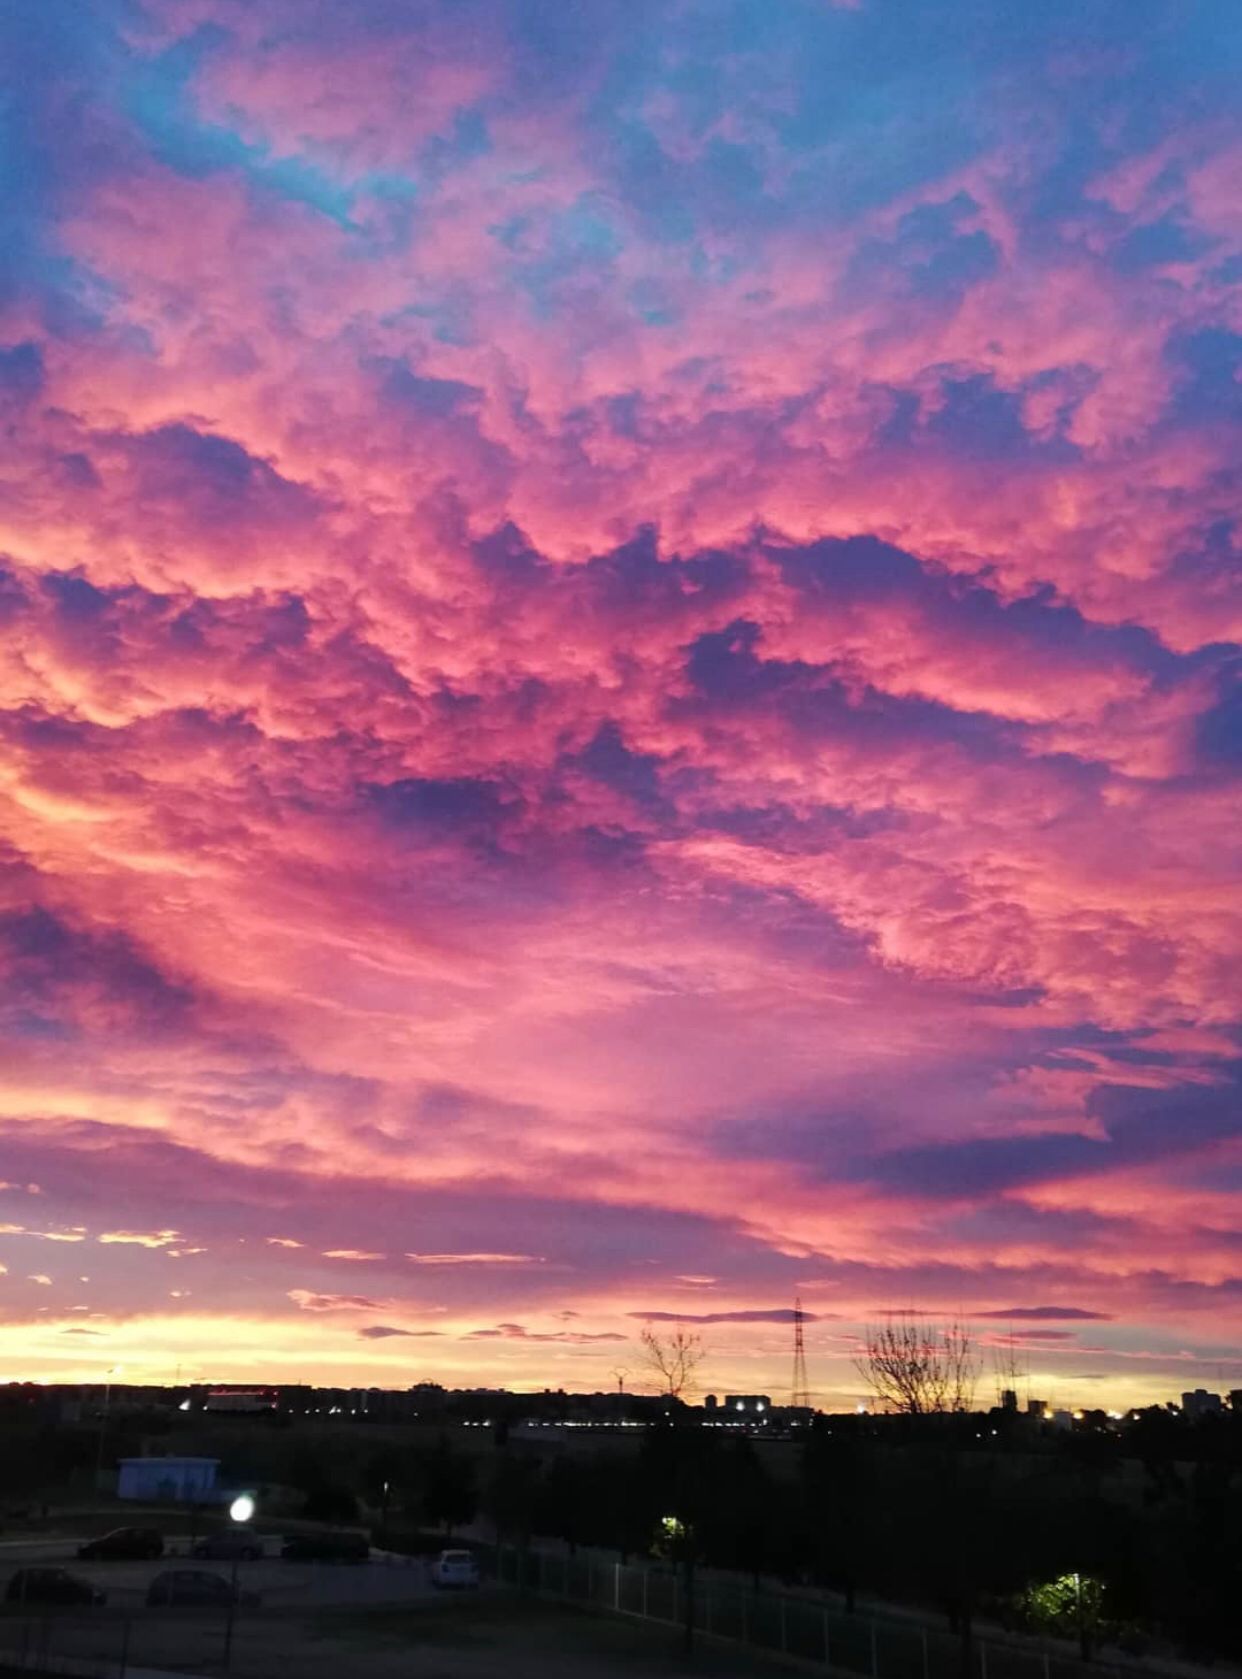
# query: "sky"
{"type": "Point", "coordinates": [619, 688]}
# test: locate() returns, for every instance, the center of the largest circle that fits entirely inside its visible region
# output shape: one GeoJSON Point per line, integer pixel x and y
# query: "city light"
{"type": "Point", "coordinates": [242, 1508]}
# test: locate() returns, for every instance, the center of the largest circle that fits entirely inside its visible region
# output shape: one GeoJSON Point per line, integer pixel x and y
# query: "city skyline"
{"type": "Point", "coordinates": [619, 649]}
{"type": "Point", "coordinates": [219, 1395]}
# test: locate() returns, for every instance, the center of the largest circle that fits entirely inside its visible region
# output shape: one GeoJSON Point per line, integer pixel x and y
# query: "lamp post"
{"type": "Point", "coordinates": [679, 1539]}
{"type": "Point", "coordinates": [241, 1511]}
{"type": "Point", "coordinates": [112, 1370]}
{"type": "Point", "coordinates": [1084, 1631]}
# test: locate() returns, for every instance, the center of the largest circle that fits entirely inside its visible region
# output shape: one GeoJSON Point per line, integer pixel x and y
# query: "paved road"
{"type": "Point", "coordinates": [291, 1585]}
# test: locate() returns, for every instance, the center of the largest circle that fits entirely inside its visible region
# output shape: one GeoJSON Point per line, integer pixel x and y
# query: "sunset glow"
{"type": "Point", "coordinates": [619, 641]}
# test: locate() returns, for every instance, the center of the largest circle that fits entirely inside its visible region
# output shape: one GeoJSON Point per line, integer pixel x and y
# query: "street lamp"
{"type": "Point", "coordinates": [1084, 1639]}
{"type": "Point", "coordinates": [241, 1510]}
{"type": "Point", "coordinates": [678, 1539]}
{"type": "Point", "coordinates": [112, 1370]}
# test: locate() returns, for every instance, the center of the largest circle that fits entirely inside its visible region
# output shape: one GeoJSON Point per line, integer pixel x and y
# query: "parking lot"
{"type": "Point", "coordinates": [378, 1620]}
{"type": "Point", "coordinates": [292, 1585]}
{"type": "Point", "coordinates": [300, 1604]}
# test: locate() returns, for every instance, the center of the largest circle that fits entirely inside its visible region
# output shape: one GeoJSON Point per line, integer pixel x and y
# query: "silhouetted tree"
{"type": "Point", "coordinates": [564, 1502]}
{"type": "Point", "coordinates": [381, 1477]}
{"type": "Point", "coordinates": [839, 1486]}
{"type": "Point", "coordinates": [919, 1367]}
{"type": "Point", "coordinates": [330, 1503]}
{"type": "Point", "coordinates": [673, 1359]}
{"type": "Point", "coordinates": [743, 1520]}
{"type": "Point", "coordinates": [510, 1498]}
{"type": "Point", "coordinates": [450, 1494]}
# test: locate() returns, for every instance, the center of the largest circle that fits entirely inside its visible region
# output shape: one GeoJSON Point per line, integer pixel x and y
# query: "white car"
{"type": "Point", "coordinates": [455, 1569]}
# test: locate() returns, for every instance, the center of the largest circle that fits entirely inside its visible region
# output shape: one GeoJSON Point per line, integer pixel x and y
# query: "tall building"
{"type": "Point", "coordinates": [1201, 1403]}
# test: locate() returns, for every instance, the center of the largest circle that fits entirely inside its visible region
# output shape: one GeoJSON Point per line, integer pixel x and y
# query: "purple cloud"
{"type": "Point", "coordinates": [1050, 1313]}
{"type": "Point", "coordinates": [652, 720]}
{"type": "Point", "coordinates": [775, 1314]}
{"type": "Point", "coordinates": [384, 1331]}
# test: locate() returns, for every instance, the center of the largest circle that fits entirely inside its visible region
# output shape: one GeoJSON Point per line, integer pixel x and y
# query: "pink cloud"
{"type": "Point", "coordinates": [572, 729]}
{"type": "Point", "coordinates": [518, 1332]}
{"type": "Point", "coordinates": [386, 1331]}
{"type": "Point", "coordinates": [307, 1301]}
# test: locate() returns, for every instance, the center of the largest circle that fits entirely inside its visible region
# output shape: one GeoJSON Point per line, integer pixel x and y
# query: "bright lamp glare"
{"type": "Point", "coordinates": [241, 1509]}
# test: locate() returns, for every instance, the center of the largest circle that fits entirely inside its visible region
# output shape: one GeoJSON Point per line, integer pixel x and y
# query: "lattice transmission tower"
{"type": "Point", "coordinates": [801, 1391]}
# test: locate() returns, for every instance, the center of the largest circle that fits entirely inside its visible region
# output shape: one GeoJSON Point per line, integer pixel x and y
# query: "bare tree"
{"type": "Point", "coordinates": [673, 1359]}
{"type": "Point", "coordinates": [920, 1367]}
{"type": "Point", "coordinates": [962, 1365]}
{"type": "Point", "coordinates": [1008, 1369]}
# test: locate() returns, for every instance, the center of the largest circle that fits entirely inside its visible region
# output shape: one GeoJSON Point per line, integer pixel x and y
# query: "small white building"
{"type": "Point", "coordinates": [172, 1480]}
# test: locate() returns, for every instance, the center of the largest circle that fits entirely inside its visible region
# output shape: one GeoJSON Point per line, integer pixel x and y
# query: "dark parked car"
{"type": "Point", "coordinates": [195, 1588]}
{"type": "Point", "coordinates": [326, 1547]}
{"type": "Point", "coordinates": [124, 1544]}
{"type": "Point", "coordinates": [52, 1585]}
{"type": "Point", "coordinates": [229, 1543]}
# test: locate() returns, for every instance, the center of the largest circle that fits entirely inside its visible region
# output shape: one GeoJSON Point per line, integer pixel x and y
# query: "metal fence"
{"type": "Point", "coordinates": [799, 1628]}
{"type": "Point", "coordinates": [118, 1643]}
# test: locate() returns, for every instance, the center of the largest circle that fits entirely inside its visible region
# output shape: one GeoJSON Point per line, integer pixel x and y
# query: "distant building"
{"type": "Point", "coordinates": [1235, 1400]}
{"type": "Point", "coordinates": [711, 1403]}
{"type": "Point", "coordinates": [531, 1431]}
{"type": "Point", "coordinates": [172, 1480]}
{"type": "Point", "coordinates": [1201, 1403]}
{"type": "Point", "coordinates": [242, 1401]}
{"type": "Point", "coordinates": [1008, 1400]}
{"type": "Point", "coordinates": [1037, 1408]}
